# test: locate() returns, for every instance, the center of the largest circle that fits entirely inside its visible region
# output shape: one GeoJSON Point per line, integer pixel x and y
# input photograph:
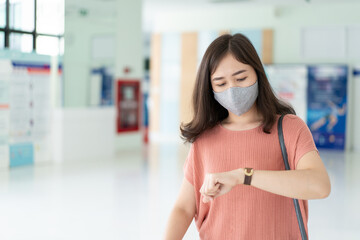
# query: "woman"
{"type": "Point", "coordinates": [233, 128]}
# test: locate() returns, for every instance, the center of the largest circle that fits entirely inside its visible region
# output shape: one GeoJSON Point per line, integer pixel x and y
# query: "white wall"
{"type": "Point", "coordinates": [82, 126]}
{"type": "Point", "coordinates": [130, 53]}
{"type": "Point", "coordinates": [79, 32]}
{"type": "Point", "coordinates": [84, 134]}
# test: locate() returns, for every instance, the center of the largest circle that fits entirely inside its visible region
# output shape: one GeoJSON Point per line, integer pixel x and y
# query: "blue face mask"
{"type": "Point", "coordinates": [238, 100]}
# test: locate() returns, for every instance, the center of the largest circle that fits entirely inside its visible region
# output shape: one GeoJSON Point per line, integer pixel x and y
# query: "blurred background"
{"type": "Point", "coordinates": [92, 94]}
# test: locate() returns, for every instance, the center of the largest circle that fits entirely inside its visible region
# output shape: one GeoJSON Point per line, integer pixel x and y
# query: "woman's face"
{"type": "Point", "coordinates": [232, 73]}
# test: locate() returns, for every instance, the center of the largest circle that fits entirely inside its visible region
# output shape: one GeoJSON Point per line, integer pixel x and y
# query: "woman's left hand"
{"type": "Point", "coordinates": [217, 184]}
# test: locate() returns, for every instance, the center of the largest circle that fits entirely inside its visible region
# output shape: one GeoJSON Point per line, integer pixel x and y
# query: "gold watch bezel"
{"type": "Point", "coordinates": [248, 173]}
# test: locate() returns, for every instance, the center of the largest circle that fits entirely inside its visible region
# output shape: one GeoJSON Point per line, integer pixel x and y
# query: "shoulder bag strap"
{"type": "Point", "coordinates": [286, 162]}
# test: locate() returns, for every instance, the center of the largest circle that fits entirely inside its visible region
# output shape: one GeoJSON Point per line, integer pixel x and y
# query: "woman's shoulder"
{"type": "Point", "coordinates": [293, 122]}
{"type": "Point", "coordinates": [293, 119]}
{"type": "Point", "coordinates": [208, 135]}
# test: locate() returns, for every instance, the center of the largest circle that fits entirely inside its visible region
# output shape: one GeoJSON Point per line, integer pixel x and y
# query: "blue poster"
{"type": "Point", "coordinates": [327, 105]}
{"type": "Point", "coordinates": [107, 97]}
{"type": "Point", "coordinates": [107, 86]}
{"type": "Point", "coordinates": [21, 154]}
{"type": "Point", "coordinates": [145, 101]}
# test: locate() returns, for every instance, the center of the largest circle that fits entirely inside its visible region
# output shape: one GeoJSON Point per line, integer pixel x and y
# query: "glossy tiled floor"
{"type": "Point", "coordinates": [131, 196]}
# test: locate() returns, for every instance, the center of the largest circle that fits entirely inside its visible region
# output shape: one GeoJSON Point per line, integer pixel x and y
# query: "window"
{"type": "Point", "coordinates": [32, 25]}
{"type": "Point", "coordinates": [48, 45]}
{"type": "Point", "coordinates": [21, 42]}
{"type": "Point", "coordinates": [22, 15]}
{"type": "Point", "coordinates": [62, 46]}
{"type": "Point", "coordinates": [2, 42]}
{"type": "Point", "coordinates": [2, 13]}
{"type": "Point", "coordinates": [50, 16]}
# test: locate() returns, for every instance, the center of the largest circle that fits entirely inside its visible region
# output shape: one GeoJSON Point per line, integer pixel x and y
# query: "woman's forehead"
{"type": "Point", "coordinates": [230, 64]}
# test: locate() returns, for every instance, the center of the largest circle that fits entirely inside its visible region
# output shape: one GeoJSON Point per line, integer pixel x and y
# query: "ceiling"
{"type": "Point", "coordinates": [163, 5]}
{"type": "Point", "coordinates": [196, 2]}
{"type": "Point", "coordinates": [107, 8]}
{"type": "Point", "coordinates": [241, 1]}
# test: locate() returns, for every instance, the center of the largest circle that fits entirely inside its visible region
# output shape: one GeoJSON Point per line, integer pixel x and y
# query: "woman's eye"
{"type": "Point", "coordinates": [241, 79]}
{"type": "Point", "coordinates": [220, 85]}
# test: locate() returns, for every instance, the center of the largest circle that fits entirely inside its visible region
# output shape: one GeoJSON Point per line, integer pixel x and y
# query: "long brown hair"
{"type": "Point", "coordinates": [207, 111]}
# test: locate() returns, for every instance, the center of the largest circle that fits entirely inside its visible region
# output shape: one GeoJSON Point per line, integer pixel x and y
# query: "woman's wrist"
{"type": "Point", "coordinates": [240, 176]}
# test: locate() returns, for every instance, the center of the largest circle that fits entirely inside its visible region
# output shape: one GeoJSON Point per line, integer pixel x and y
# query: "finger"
{"type": "Point", "coordinates": [214, 181]}
{"type": "Point", "coordinates": [206, 194]}
{"type": "Point", "coordinates": [206, 184]}
{"type": "Point", "coordinates": [213, 192]}
{"type": "Point", "coordinates": [223, 190]}
{"type": "Point", "coordinates": [216, 194]}
{"type": "Point", "coordinates": [202, 189]}
{"type": "Point", "coordinates": [210, 186]}
{"type": "Point", "coordinates": [210, 195]}
{"type": "Point", "coordinates": [217, 186]}
{"type": "Point", "coordinates": [214, 189]}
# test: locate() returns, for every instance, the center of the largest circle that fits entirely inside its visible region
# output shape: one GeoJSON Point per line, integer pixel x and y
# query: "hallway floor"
{"type": "Point", "coordinates": [131, 196]}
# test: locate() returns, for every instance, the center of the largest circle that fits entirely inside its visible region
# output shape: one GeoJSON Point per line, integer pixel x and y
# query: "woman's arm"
{"type": "Point", "coordinates": [309, 181]}
{"type": "Point", "coordinates": [178, 224]}
{"type": "Point", "coordinates": [183, 212]}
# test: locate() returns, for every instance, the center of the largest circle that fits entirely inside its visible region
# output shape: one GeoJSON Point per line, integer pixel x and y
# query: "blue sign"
{"type": "Point", "coordinates": [107, 83]}
{"type": "Point", "coordinates": [21, 154]}
{"type": "Point", "coordinates": [327, 105]}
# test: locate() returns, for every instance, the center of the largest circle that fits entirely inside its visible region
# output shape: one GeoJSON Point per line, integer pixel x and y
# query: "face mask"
{"type": "Point", "coordinates": [238, 100]}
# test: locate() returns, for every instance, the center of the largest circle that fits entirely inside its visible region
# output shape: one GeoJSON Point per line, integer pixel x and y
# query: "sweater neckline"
{"type": "Point", "coordinates": [240, 131]}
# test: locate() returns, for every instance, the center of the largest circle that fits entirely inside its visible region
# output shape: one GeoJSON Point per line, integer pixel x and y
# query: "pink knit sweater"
{"type": "Point", "coordinates": [247, 212]}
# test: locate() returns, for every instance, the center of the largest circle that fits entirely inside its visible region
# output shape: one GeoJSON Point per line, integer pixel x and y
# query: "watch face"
{"type": "Point", "coordinates": [249, 171]}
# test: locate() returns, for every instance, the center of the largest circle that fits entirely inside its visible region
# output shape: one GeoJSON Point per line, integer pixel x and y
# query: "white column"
{"type": "Point", "coordinates": [129, 54]}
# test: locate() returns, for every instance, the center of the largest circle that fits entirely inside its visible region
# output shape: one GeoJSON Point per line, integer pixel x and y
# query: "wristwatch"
{"type": "Point", "coordinates": [248, 175]}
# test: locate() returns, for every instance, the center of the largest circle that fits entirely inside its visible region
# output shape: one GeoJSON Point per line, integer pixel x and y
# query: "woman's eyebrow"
{"type": "Point", "coordinates": [236, 73]}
